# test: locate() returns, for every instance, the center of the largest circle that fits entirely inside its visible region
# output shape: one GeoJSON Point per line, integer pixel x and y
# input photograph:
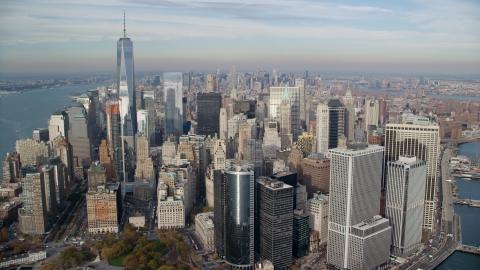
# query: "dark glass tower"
{"type": "Point", "coordinates": [208, 112]}
{"type": "Point", "coordinates": [274, 221]}
{"type": "Point", "coordinates": [337, 122]}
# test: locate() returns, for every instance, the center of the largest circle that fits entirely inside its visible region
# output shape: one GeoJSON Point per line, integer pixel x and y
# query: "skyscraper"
{"type": "Point", "coordinates": [406, 179]}
{"type": "Point", "coordinates": [421, 138]}
{"type": "Point", "coordinates": [33, 217]}
{"type": "Point", "coordinates": [126, 86]}
{"type": "Point", "coordinates": [208, 111]}
{"type": "Point", "coordinates": [142, 122]}
{"type": "Point", "coordinates": [274, 219]}
{"type": "Point", "coordinates": [300, 83]}
{"type": "Point", "coordinates": [349, 115]}
{"type": "Point", "coordinates": [371, 114]}
{"type": "Point", "coordinates": [276, 97]}
{"type": "Point", "coordinates": [211, 83]}
{"type": "Point", "coordinates": [358, 238]}
{"type": "Point", "coordinates": [234, 213]}
{"type": "Point", "coordinates": [223, 124]}
{"type": "Point", "coordinates": [149, 105]}
{"type": "Point", "coordinates": [323, 127]}
{"type": "Point", "coordinates": [58, 125]}
{"type": "Point", "coordinates": [172, 91]}
{"type": "Point", "coordinates": [234, 76]}
{"type": "Point", "coordinates": [336, 128]}
{"type": "Point", "coordinates": [114, 138]}
{"type": "Point", "coordinates": [286, 120]}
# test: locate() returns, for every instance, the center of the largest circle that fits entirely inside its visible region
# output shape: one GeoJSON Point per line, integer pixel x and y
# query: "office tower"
{"type": "Point", "coordinates": [274, 221]}
{"type": "Point", "coordinates": [305, 143]}
{"type": "Point", "coordinates": [422, 80]}
{"type": "Point", "coordinates": [234, 213]}
{"type": "Point", "coordinates": [32, 151]}
{"type": "Point", "coordinates": [126, 88]}
{"type": "Point", "coordinates": [64, 151]}
{"type": "Point", "coordinates": [234, 76]}
{"type": "Point", "coordinates": [317, 210]}
{"type": "Point", "coordinates": [48, 175]}
{"type": "Point", "coordinates": [253, 153]}
{"type": "Point", "coordinates": [62, 186]}
{"type": "Point", "coordinates": [419, 138]}
{"type": "Point", "coordinates": [94, 93]}
{"type": "Point", "coordinates": [371, 114]}
{"type": "Point", "coordinates": [300, 83]}
{"type": "Point", "coordinates": [211, 83]}
{"type": "Point", "coordinates": [271, 140]}
{"type": "Point", "coordinates": [286, 120]}
{"type": "Point", "coordinates": [316, 174]}
{"type": "Point", "coordinates": [294, 161]}
{"type": "Point", "coordinates": [382, 111]}
{"type": "Point", "coordinates": [244, 132]}
{"type": "Point", "coordinates": [142, 122]}
{"type": "Point", "coordinates": [79, 134]}
{"type": "Point", "coordinates": [209, 187]}
{"type": "Point", "coordinates": [223, 124]}
{"type": "Point", "coordinates": [300, 234]}
{"type": "Point", "coordinates": [220, 154]}
{"type": "Point", "coordinates": [186, 80]}
{"type": "Point", "coordinates": [106, 160]}
{"type": "Point", "coordinates": [336, 118]}
{"type": "Point", "coordinates": [323, 127]}
{"type": "Point", "coordinates": [349, 115]}
{"type": "Point", "coordinates": [11, 168]}
{"type": "Point", "coordinates": [357, 237]}
{"type": "Point", "coordinates": [169, 150]}
{"type": "Point", "coordinates": [90, 105]}
{"type": "Point", "coordinates": [208, 111]}
{"type": "Point", "coordinates": [149, 105]}
{"type": "Point", "coordinates": [114, 138]}
{"type": "Point", "coordinates": [33, 217]}
{"type": "Point", "coordinates": [406, 179]}
{"type": "Point", "coordinates": [58, 125]}
{"type": "Point", "coordinates": [156, 80]}
{"type": "Point", "coordinates": [220, 211]}
{"type": "Point", "coordinates": [40, 134]}
{"type": "Point", "coordinates": [247, 107]}
{"type": "Point", "coordinates": [104, 208]}
{"type": "Point", "coordinates": [145, 169]}
{"type": "Point", "coordinates": [276, 95]}
{"type": "Point", "coordinates": [172, 102]}
{"type": "Point", "coordinates": [170, 211]}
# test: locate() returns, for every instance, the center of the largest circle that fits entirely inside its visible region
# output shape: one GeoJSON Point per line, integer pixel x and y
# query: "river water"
{"type": "Point", "coordinates": [29, 110]}
{"type": "Point", "coordinates": [470, 217]}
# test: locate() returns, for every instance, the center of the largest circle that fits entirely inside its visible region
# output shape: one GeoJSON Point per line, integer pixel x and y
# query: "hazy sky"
{"type": "Point", "coordinates": [352, 36]}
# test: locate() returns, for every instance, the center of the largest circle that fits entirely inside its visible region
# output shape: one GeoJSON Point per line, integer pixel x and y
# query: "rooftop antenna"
{"type": "Point", "coordinates": [124, 34]}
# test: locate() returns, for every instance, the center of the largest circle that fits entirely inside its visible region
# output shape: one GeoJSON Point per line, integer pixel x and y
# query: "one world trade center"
{"type": "Point", "coordinates": [126, 87]}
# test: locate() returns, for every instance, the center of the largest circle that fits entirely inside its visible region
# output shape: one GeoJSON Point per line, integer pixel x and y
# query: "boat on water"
{"type": "Point", "coordinates": [465, 178]}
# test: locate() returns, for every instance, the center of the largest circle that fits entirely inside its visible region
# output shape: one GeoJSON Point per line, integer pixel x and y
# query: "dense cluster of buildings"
{"type": "Point", "coordinates": [287, 165]}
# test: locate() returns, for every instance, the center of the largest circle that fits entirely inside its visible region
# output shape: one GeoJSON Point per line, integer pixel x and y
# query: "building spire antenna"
{"type": "Point", "coordinates": [124, 32]}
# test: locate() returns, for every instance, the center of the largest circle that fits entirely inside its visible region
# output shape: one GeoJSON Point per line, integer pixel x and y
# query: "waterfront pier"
{"type": "Point", "coordinates": [469, 249]}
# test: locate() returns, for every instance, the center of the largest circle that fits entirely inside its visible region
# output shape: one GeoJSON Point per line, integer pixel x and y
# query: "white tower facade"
{"type": "Point", "coordinates": [358, 238]}
{"type": "Point", "coordinates": [405, 199]}
{"type": "Point", "coordinates": [142, 122]}
{"type": "Point", "coordinates": [322, 128]}
{"type": "Point", "coordinates": [223, 124]}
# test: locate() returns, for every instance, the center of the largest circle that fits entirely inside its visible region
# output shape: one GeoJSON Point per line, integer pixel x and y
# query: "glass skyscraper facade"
{"type": "Point", "coordinates": [276, 94]}
{"type": "Point", "coordinates": [126, 85]}
{"type": "Point", "coordinates": [172, 85]}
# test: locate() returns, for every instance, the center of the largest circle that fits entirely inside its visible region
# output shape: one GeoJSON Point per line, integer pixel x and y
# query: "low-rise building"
{"type": "Point", "coordinates": [10, 190]}
{"type": "Point", "coordinates": [144, 189]}
{"type": "Point", "coordinates": [31, 256]}
{"type": "Point", "coordinates": [204, 230]}
{"type": "Point", "coordinates": [318, 212]}
{"type": "Point", "coordinates": [137, 221]}
{"type": "Point", "coordinates": [9, 210]}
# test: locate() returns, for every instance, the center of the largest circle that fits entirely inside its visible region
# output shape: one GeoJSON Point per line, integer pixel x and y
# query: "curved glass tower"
{"type": "Point", "coordinates": [239, 231]}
